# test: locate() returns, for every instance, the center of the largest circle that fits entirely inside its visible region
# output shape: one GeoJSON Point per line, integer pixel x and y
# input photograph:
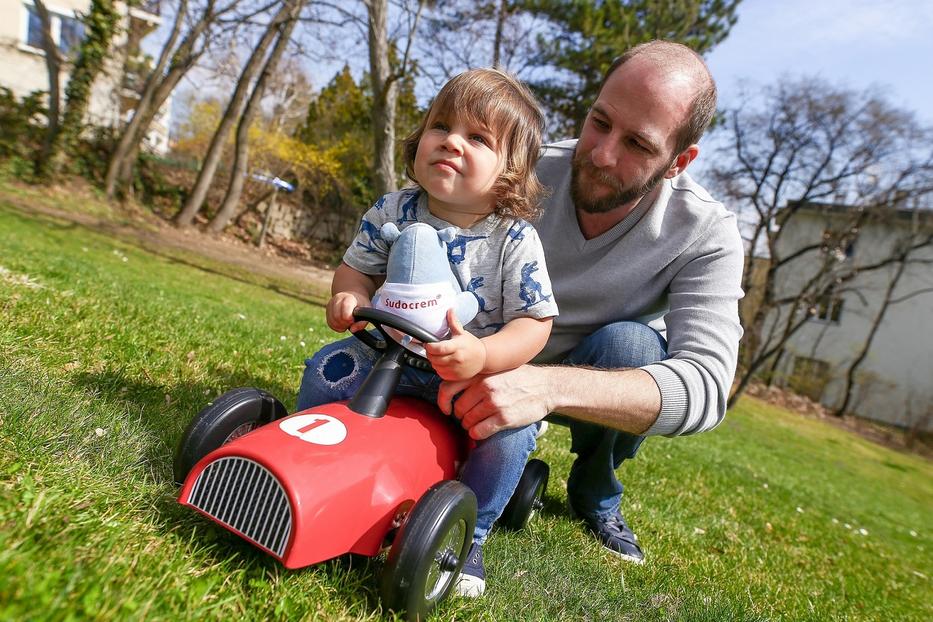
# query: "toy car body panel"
{"type": "Point", "coordinates": [325, 481]}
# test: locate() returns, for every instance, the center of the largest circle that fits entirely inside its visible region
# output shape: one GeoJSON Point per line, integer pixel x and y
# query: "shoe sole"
{"type": "Point", "coordinates": [473, 587]}
{"type": "Point", "coordinates": [628, 558]}
{"type": "Point", "coordinates": [624, 556]}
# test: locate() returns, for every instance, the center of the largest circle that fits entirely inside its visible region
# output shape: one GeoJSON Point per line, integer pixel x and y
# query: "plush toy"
{"type": "Point", "coordinates": [420, 285]}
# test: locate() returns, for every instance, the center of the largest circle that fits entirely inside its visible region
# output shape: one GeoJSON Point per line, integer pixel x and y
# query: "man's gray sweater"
{"type": "Point", "coordinates": [675, 264]}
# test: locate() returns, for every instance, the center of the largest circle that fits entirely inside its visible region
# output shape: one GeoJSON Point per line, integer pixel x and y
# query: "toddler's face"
{"type": "Point", "coordinates": [457, 164]}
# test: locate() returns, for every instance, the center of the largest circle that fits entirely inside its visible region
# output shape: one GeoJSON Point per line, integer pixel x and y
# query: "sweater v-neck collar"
{"type": "Point", "coordinates": [620, 228]}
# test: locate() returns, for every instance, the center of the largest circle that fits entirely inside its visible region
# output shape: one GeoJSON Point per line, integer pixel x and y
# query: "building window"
{"type": "Point", "coordinates": [832, 241]}
{"type": "Point", "coordinates": [810, 377]}
{"type": "Point", "coordinates": [829, 308]}
{"type": "Point", "coordinates": [72, 33]}
{"type": "Point", "coordinates": [34, 29]}
{"type": "Point", "coordinates": [67, 31]}
{"type": "Point", "coordinates": [850, 250]}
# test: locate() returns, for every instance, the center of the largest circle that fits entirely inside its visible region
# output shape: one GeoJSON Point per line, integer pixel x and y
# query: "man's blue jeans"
{"type": "Point", "coordinates": [494, 467]}
{"type": "Point", "coordinates": [592, 487]}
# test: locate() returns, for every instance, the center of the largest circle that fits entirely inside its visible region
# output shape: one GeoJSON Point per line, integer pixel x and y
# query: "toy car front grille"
{"type": "Point", "coordinates": [246, 497]}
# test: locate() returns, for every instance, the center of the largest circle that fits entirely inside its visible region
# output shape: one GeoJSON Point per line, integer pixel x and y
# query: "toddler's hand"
{"type": "Point", "coordinates": [459, 358]}
{"type": "Point", "coordinates": [340, 311]}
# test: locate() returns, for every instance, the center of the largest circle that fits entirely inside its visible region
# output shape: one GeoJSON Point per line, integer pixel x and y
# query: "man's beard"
{"type": "Point", "coordinates": [621, 194]}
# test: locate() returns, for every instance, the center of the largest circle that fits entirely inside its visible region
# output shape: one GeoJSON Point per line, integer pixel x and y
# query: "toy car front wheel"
{"type": "Point", "coordinates": [430, 550]}
{"type": "Point", "coordinates": [233, 414]}
{"type": "Point", "coordinates": [528, 496]}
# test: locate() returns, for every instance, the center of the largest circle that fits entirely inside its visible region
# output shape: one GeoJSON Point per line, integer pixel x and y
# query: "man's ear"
{"type": "Point", "coordinates": [682, 161]}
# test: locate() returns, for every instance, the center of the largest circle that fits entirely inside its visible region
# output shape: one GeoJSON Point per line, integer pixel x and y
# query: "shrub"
{"type": "Point", "coordinates": [21, 124]}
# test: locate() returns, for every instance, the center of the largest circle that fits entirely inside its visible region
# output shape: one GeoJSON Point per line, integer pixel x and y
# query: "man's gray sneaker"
{"type": "Point", "coordinates": [472, 580]}
{"type": "Point", "coordinates": [615, 535]}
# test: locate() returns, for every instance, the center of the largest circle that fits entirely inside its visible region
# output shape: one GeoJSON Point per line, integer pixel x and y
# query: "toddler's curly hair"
{"type": "Point", "coordinates": [507, 107]}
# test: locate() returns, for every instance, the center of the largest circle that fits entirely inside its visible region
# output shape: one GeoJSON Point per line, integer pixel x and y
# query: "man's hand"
{"type": "Point", "coordinates": [459, 358]}
{"type": "Point", "coordinates": [340, 311]}
{"type": "Point", "coordinates": [487, 404]}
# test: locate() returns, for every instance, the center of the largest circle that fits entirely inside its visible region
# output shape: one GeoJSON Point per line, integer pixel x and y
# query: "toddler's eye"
{"type": "Point", "coordinates": [440, 125]}
{"type": "Point", "coordinates": [480, 139]}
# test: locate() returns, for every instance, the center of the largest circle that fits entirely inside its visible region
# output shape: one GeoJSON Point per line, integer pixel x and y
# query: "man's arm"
{"type": "Point", "coordinates": [703, 333]}
{"type": "Point", "coordinates": [683, 394]}
{"type": "Point", "coordinates": [626, 399]}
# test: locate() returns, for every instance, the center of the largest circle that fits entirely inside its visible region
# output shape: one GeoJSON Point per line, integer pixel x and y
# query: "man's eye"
{"type": "Point", "coordinates": [637, 145]}
{"type": "Point", "coordinates": [600, 123]}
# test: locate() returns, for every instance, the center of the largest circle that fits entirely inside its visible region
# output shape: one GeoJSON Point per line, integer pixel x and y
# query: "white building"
{"type": "Point", "coordinates": [115, 93]}
{"type": "Point", "coordinates": [894, 383]}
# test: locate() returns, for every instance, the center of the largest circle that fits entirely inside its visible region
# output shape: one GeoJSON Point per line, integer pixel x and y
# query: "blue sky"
{"type": "Point", "coordinates": [858, 43]}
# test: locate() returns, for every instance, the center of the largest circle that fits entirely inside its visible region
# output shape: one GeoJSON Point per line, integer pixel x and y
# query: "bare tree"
{"type": "Point", "coordinates": [461, 34]}
{"type": "Point", "coordinates": [801, 147]}
{"type": "Point", "coordinates": [241, 149]}
{"type": "Point", "coordinates": [173, 64]}
{"type": "Point", "coordinates": [903, 255]}
{"type": "Point", "coordinates": [288, 95]}
{"type": "Point", "coordinates": [384, 79]}
{"type": "Point", "coordinates": [232, 112]}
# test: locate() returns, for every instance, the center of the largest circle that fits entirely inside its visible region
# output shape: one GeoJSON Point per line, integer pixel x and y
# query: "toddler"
{"type": "Point", "coordinates": [472, 158]}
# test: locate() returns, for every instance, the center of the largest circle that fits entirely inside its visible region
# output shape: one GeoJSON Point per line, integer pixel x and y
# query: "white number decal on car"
{"type": "Point", "coordinates": [315, 428]}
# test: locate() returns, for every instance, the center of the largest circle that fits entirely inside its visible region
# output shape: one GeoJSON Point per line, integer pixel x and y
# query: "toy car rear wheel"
{"type": "Point", "coordinates": [233, 414]}
{"type": "Point", "coordinates": [528, 496]}
{"type": "Point", "coordinates": [430, 550]}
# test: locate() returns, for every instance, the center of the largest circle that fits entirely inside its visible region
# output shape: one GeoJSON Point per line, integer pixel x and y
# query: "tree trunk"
{"type": "Point", "coordinates": [139, 124]}
{"type": "Point", "coordinates": [385, 93]}
{"type": "Point", "coordinates": [241, 152]}
{"type": "Point", "coordinates": [231, 114]}
{"type": "Point", "coordinates": [53, 65]}
{"type": "Point", "coordinates": [100, 25]}
{"type": "Point", "coordinates": [501, 15]}
{"type": "Point", "coordinates": [183, 59]}
{"type": "Point", "coordinates": [124, 145]}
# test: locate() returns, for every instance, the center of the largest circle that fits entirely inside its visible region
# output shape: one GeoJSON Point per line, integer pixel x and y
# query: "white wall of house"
{"type": "Point", "coordinates": [23, 69]}
{"type": "Point", "coordinates": [22, 66]}
{"type": "Point", "coordinates": [896, 378]}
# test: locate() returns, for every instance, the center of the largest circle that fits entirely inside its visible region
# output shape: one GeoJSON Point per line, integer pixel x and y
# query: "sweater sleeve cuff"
{"type": "Point", "coordinates": [673, 400]}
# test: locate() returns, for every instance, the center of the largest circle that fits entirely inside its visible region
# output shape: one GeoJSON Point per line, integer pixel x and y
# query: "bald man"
{"type": "Point", "coordinates": [646, 268]}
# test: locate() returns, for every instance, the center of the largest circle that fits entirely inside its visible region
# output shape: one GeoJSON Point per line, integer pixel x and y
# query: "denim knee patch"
{"type": "Point", "coordinates": [338, 369]}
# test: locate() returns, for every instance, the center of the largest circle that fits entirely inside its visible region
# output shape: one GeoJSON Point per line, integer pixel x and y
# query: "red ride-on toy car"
{"type": "Point", "coordinates": [348, 477]}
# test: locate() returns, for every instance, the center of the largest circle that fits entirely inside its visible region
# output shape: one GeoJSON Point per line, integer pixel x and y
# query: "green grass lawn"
{"type": "Point", "coordinates": [106, 351]}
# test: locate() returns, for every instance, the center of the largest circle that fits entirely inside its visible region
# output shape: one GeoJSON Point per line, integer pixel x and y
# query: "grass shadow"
{"type": "Point", "coordinates": [215, 547]}
{"type": "Point", "coordinates": [320, 301]}
{"type": "Point", "coordinates": [166, 410]}
{"type": "Point", "coordinates": [554, 507]}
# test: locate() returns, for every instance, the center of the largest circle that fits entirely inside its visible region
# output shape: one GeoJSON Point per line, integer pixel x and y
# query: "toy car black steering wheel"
{"type": "Point", "coordinates": [372, 398]}
{"type": "Point", "coordinates": [382, 319]}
